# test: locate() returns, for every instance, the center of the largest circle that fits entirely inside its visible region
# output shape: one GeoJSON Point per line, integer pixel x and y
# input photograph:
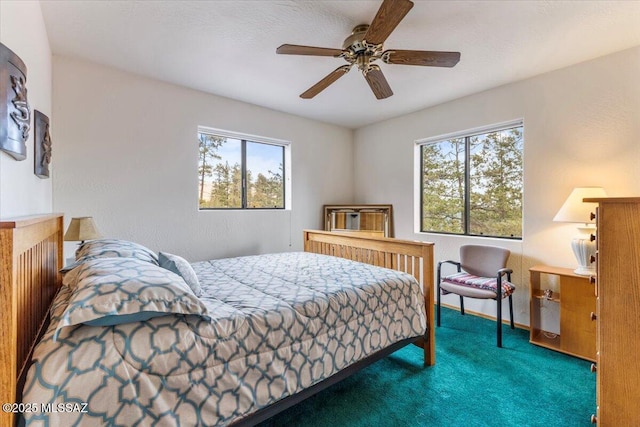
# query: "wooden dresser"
{"type": "Point", "coordinates": [618, 312]}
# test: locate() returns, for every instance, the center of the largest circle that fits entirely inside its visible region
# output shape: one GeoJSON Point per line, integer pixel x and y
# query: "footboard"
{"type": "Point", "coordinates": [30, 257]}
{"type": "Point", "coordinates": [413, 257]}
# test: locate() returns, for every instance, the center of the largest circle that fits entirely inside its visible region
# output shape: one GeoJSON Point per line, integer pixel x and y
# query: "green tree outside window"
{"type": "Point", "coordinates": [473, 184]}
{"type": "Point", "coordinates": [236, 174]}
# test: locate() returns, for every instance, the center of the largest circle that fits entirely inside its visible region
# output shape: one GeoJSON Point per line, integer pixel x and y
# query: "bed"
{"type": "Point", "coordinates": [289, 335]}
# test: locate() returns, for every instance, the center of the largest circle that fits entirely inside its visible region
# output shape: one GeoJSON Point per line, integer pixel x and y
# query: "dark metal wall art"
{"type": "Point", "coordinates": [15, 115]}
{"type": "Point", "coordinates": [42, 145]}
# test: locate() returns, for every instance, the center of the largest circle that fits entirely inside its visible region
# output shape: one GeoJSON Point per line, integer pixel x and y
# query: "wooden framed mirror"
{"type": "Point", "coordinates": [367, 220]}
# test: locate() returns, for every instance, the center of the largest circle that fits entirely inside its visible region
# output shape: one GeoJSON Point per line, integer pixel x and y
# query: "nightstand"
{"type": "Point", "coordinates": [576, 298]}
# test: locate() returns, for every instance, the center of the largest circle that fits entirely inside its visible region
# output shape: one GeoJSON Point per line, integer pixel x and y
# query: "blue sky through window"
{"type": "Point", "coordinates": [261, 158]}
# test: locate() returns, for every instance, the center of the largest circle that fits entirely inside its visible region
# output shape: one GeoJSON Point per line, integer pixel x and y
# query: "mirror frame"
{"type": "Point", "coordinates": [328, 210]}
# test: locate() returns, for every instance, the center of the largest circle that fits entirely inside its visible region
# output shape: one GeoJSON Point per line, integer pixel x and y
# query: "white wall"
{"type": "Point", "coordinates": [22, 30]}
{"type": "Point", "coordinates": [127, 154]}
{"type": "Point", "coordinates": [124, 152]}
{"type": "Point", "coordinates": [581, 127]}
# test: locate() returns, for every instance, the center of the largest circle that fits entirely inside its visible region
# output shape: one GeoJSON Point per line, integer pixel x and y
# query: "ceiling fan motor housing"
{"type": "Point", "coordinates": [354, 43]}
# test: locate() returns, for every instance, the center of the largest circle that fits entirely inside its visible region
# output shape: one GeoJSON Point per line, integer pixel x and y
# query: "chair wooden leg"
{"type": "Point", "coordinates": [511, 311]}
{"type": "Point", "coordinates": [461, 305]}
{"type": "Point", "coordinates": [499, 331]}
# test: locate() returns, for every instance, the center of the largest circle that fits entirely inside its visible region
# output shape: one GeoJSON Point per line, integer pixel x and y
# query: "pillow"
{"type": "Point", "coordinates": [119, 319]}
{"type": "Point", "coordinates": [112, 291]}
{"type": "Point", "coordinates": [70, 274]}
{"type": "Point", "coordinates": [180, 266]}
{"type": "Point", "coordinates": [109, 248]}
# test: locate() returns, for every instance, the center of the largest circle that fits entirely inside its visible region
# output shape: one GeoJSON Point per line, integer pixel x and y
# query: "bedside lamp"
{"type": "Point", "coordinates": [576, 211]}
{"type": "Point", "coordinates": [81, 229]}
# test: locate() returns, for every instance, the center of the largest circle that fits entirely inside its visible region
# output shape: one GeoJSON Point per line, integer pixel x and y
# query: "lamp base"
{"type": "Point", "coordinates": [584, 248]}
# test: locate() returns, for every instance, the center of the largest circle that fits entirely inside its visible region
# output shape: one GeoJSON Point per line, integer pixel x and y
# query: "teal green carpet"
{"type": "Point", "coordinates": [473, 383]}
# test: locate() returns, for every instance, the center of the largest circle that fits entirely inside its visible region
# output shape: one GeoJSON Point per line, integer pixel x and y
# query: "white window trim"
{"type": "Point", "coordinates": [263, 140]}
{"type": "Point", "coordinates": [444, 137]}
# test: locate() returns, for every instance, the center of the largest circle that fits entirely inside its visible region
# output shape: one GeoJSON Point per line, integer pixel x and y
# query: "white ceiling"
{"type": "Point", "coordinates": [228, 47]}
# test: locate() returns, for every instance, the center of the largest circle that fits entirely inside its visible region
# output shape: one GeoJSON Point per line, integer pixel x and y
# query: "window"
{"type": "Point", "coordinates": [472, 183]}
{"type": "Point", "coordinates": [238, 172]}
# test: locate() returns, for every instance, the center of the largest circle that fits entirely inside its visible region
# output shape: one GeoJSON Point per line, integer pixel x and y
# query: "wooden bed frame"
{"type": "Point", "coordinates": [413, 257]}
{"type": "Point", "coordinates": [30, 258]}
{"type": "Point", "coordinates": [31, 255]}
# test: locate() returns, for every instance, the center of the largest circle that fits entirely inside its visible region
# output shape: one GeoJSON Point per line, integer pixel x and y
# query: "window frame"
{"type": "Point", "coordinates": [244, 138]}
{"type": "Point", "coordinates": [419, 182]}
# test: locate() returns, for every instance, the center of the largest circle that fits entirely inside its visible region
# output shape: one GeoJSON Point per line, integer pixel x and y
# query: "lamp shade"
{"type": "Point", "coordinates": [82, 228]}
{"type": "Point", "coordinates": [575, 210]}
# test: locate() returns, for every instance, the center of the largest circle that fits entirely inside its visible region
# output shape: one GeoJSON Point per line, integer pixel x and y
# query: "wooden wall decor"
{"type": "Point", "coordinates": [42, 145]}
{"type": "Point", "coordinates": [15, 115]}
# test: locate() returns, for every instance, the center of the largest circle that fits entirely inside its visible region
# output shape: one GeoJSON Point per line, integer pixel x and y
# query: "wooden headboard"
{"type": "Point", "coordinates": [30, 258]}
{"type": "Point", "coordinates": [413, 257]}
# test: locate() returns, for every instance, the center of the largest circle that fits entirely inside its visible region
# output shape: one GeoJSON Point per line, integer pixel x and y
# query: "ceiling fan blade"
{"type": "Point", "coordinates": [387, 19]}
{"type": "Point", "coordinates": [421, 57]}
{"type": "Point", "coordinates": [294, 49]}
{"type": "Point", "coordinates": [324, 83]}
{"type": "Point", "coordinates": [377, 82]}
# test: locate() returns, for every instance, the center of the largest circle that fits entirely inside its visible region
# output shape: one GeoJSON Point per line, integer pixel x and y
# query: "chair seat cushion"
{"type": "Point", "coordinates": [466, 284]}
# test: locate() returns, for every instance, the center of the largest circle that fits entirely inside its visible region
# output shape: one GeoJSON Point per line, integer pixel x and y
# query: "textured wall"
{"type": "Point", "coordinates": [581, 129]}
{"type": "Point", "coordinates": [127, 155]}
{"type": "Point", "coordinates": [22, 30]}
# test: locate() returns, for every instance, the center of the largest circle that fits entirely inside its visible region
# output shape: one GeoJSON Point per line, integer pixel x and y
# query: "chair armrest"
{"type": "Point", "coordinates": [504, 271]}
{"type": "Point", "coordinates": [449, 262]}
{"type": "Point", "coordinates": [438, 271]}
{"type": "Point", "coordinates": [457, 264]}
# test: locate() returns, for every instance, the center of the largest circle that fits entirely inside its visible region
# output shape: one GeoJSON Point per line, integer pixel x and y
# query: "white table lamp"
{"type": "Point", "coordinates": [576, 211]}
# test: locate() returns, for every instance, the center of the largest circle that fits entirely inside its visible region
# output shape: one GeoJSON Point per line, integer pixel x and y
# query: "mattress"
{"type": "Point", "coordinates": [279, 323]}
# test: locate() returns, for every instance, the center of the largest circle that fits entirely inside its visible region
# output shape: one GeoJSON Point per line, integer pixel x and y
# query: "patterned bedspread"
{"type": "Point", "coordinates": [280, 323]}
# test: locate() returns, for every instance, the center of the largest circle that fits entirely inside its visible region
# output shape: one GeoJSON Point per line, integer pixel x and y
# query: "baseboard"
{"type": "Point", "coordinates": [484, 316]}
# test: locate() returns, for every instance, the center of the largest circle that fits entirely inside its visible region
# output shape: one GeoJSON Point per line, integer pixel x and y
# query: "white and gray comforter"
{"type": "Point", "coordinates": [279, 324]}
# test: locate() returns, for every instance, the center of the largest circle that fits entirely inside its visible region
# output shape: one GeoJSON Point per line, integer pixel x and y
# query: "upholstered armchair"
{"type": "Point", "coordinates": [481, 274]}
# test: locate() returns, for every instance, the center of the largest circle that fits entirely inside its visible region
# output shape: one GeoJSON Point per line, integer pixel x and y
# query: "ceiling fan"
{"type": "Point", "coordinates": [364, 46]}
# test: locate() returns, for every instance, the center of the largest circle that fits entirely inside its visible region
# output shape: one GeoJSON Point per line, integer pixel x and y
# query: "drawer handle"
{"type": "Point", "coordinates": [592, 216]}
{"type": "Point", "coordinates": [592, 237]}
{"type": "Point", "coordinates": [593, 368]}
{"type": "Point", "coordinates": [593, 316]}
{"type": "Point", "coordinates": [592, 280]}
{"type": "Point", "coordinates": [592, 259]}
{"type": "Point", "coordinates": [594, 419]}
